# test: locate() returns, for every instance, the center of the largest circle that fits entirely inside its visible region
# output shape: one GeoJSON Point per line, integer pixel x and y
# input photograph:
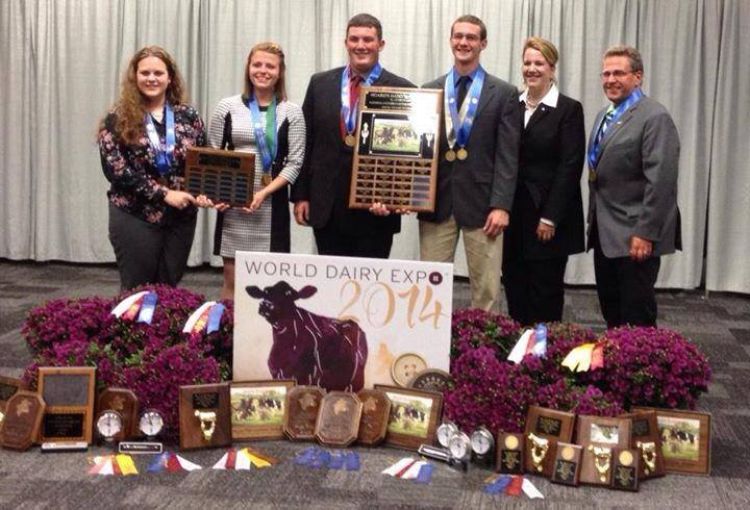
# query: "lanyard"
{"type": "Point", "coordinates": [463, 117]}
{"type": "Point", "coordinates": [164, 154]}
{"type": "Point", "coordinates": [595, 151]}
{"type": "Point", "coordinates": [349, 114]}
{"type": "Point", "coordinates": [265, 136]}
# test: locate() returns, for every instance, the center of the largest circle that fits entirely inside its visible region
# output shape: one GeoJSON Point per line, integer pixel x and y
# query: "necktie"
{"type": "Point", "coordinates": [462, 87]}
{"type": "Point", "coordinates": [605, 124]}
{"type": "Point", "coordinates": [354, 86]}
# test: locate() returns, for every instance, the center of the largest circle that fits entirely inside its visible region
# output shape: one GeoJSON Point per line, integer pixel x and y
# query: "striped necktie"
{"type": "Point", "coordinates": [605, 124]}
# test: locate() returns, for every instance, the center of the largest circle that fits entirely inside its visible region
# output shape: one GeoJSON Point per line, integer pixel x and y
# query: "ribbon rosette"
{"type": "Point", "coordinates": [139, 306]}
{"type": "Point", "coordinates": [585, 357]}
{"type": "Point", "coordinates": [207, 316]}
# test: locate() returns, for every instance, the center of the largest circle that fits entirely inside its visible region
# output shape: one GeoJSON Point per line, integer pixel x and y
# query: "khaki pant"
{"type": "Point", "coordinates": [484, 256]}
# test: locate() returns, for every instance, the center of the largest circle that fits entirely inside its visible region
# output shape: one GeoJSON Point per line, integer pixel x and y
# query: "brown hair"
{"type": "Point", "coordinates": [470, 18]}
{"type": "Point", "coordinates": [273, 49]}
{"type": "Point", "coordinates": [130, 107]}
{"type": "Point", "coordinates": [634, 56]}
{"type": "Point", "coordinates": [365, 20]}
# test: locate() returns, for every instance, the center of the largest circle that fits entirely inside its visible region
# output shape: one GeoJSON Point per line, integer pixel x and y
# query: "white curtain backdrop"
{"type": "Point", "coordinates": [62, 61]}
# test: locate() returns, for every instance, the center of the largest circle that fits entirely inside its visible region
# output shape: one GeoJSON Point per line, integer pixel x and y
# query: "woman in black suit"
{"type": "Point", "coordinates": [546, 222]}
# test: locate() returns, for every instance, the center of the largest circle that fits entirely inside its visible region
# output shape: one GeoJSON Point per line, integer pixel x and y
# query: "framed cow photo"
{"type": "Point", "coordinates": [685, 440]}
{"type": "Point", "coordinates": [415, 416]}
{"type": "Point", "coordinates": [258, 408]}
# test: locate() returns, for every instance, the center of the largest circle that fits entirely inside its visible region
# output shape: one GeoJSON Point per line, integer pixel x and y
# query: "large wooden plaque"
{"type": "Point", "coordinates": [548, 425]}
{"type": "Point", "coordinates": [396, 151]}
{"type": "Point", "coordinates": [600, 437]}
{"type": "Point", "coordinates": [302, 405]}
{"type": "Point", "coordinates": [646, 439]}
{"type": "Point", "coordinates": [68, 393]}
{"type": "Point", "coordinates": [338, 419]}
{"type": "Point", "coordinates": [8, 387]}
{"type": "Point", "coordinates": [204, 416]}
{"type": "Point", "coordinates": [223, 176]}
{"type": "Point", "coordinates": [23, 416]}
{"type": "Point", "coordinates": [124, 402]}
{"type": "Point", "coordinates": [376, 410]}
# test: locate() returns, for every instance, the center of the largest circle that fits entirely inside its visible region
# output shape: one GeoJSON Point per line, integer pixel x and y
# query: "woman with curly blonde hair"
{"type": "Point", "coordinates": [143, 141]}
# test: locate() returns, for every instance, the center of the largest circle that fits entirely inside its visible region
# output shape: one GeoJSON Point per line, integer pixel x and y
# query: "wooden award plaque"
{"type": "Point", "coordinates": [23, 417]}
{"type": "Point", "coordinates": [204, 416]}
{"type": "Point", "coordinates": [68, 393]}
{"type": "Point", "coordinates": [600, 436]}
{"type": "Point", "coordinates": [338, 419]}
{"type": "Point", "coordinates": [646, 439]}
{"type": "Point", "coordinates": [625, 469]}
{"type": "Point", "coordinates": [376, 409]}
{"type": "Point", "coordinates": [544, 428]}
{"type": "Point", "coordinates": [567, 467]}
{"type": "Point", "coordinates": [124, 402]}
{"type": "Point", "coordinates": [8, 387]}
{"type": "Point", "coordinates": [509, 453]}
{"type": "Point", "coordinates": [302, 405]}
{"type": "Point", "coordinates": [223, 176]}
{"type": "Point", "coordinates": [396, 151]}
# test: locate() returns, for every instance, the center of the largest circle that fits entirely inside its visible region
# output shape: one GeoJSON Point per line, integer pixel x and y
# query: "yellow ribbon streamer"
{"type": "Point", "coordinates": [127, 466]}
{"type": "Point", "coordinates": [255, 460]}
{"type": "Point", "coordinates": [579, 358]}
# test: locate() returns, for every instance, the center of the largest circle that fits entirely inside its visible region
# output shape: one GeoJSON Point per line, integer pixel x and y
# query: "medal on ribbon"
{"type": "Point", "coordinates": [164, 153]}
{"type": "Point", "coordinates": [349, 110]}
{"type": "Point", "coordinates": [459, 119]}
{"type": "Point", "coordinates": [265, 135]}
{"type": "Point", "coordinates": [139, 306]}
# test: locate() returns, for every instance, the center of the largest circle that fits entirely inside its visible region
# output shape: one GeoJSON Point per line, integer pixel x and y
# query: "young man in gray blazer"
{"type": "Point", "coordinates": [633, 156]}
{"type": "Point", "coordinates": [478, 165]}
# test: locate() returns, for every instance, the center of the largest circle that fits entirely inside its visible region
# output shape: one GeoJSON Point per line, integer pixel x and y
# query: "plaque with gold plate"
{"type": "Point", "coordinates": [204, 416]}
{"type": "Point", "coordinates": [223, 176]}
{"type": "Point", "coordinates": [510, 450]}
{"type": "Point", "coordinates": [23, 417]}
{"type": "Point", "coordinates": [600, 436]}
{"type": "Point", "coordinates": [567, 467]}
{"type": "Point", "coordinates": [646, 439]}
{"type": "Point", "coordinates": [625, 469]}
{"type": "Point", "coordinates": [376, 409]}
{"type": "Point", "coordinates": [125, 403]}
{"type": "Point", "coordinates": [396, 149]}
{"type": "Point", "coordinates": [302, 406]}
{"type": "Point", "coordinates": [338, 419]}
{"type": "Point", "coordinates": [68, 393]}
{"type": "Point", "coordinates": [544, 428]}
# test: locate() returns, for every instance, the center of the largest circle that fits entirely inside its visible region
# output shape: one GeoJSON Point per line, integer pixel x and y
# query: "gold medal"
{"type": "Point", "coordinates": [349, 140]}
{"type": "Point", "coordinates": [462, 154]}
{"type": "Point", "coordinates": [450, 155]}
{"type": "Point", "coordinates": [265, 179]}
{"type": "Point", "coordinates": [592, 175]}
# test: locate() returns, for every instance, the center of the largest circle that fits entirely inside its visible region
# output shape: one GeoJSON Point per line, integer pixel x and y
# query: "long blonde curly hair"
{"type": "Point", "coordinates": [130, 108]}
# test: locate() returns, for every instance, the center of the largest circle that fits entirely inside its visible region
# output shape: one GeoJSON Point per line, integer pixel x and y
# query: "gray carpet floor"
{"type": "Point", "coordinates": [30, 480]}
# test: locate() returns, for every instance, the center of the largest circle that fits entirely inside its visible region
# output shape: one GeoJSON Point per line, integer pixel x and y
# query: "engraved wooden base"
{"type": "Point", "coordinates": [567, 466]}
{"type": "Point", "coordinates": [510, 449]}
{"type": "Point", "coordinates": [23, 416]}
{"type": "Point", "coordinates": [646, 438]}
{"type": "Point", "coordinates": [338, 419]}
{"type": "Point", "coordinates": [302, 405]}
{"type": "Point", "coordinates": [600, 436]}
{"type": "Point", "coordinates": [204, 416]}
{"type": "Point", "coordinates": [223, 176]}
{"type": "Point", "coordinates": [544, 429]}
{"type": "Point", "coordinates": [376, 409]}
{"type": "Point", "coordinates": [124, 402]}
{"type": "Point", "coordinates": [625, 470]}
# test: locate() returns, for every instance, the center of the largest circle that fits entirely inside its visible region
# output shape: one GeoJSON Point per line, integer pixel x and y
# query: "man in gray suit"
{"type": "Point", "coordinates": [478, 165]}
{"type": "Point", "coordinates": [634, 151]}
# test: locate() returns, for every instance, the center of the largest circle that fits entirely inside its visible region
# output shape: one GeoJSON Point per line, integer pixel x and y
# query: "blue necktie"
{"type": "Point", "coordinates": [605, 124]}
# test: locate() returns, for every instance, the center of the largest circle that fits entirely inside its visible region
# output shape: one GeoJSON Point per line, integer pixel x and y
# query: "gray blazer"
{"type": "Point", "coordinates": [486, 180]}
{"type": "Point", "coordinates": [635, 191]}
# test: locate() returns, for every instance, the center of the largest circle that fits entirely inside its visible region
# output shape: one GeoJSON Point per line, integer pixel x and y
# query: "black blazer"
{"type": "Point", "coordinates": [552, 153]}
{"type": "Point", "coordinates": [325, 176]}
{"type": "Point", "coordinates": [486, 180]}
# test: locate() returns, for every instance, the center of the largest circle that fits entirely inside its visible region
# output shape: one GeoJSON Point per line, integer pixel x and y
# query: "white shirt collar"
{"type": "Point", "coordinates": [550, 98]}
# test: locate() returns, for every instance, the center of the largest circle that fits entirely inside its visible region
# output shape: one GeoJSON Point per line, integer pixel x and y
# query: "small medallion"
{"type": "Point", "coordinates": [265, 179]}
{"type": "Point", "coordinates": [462, 154]}
{"type": "Point", "coordinates": [450, 155]}
{"type": "Point", "coordinates": [592, 176]}
{"type": "Point", "coordinates": [349, 140]}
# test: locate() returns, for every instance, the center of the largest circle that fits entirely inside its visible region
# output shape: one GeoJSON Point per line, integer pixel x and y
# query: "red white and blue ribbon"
{"type": "Point", "coordinates": [532, 341]}
{"type": "Point", "coordinates": [172, 463]}
{"type": "Point", "coordinates": [207, 316]}
{"type": "Point", "coordinates": [139, 307]}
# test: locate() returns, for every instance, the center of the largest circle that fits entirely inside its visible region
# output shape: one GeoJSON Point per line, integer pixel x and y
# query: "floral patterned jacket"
{"type": "Point", "coordinates": [137, 187]}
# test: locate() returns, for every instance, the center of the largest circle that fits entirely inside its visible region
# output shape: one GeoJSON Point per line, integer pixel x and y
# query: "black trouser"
{"type": "Point", "coordinates": [148, 253]}
{"type": "Point", "coordinates": [626, 288]}
{"type": "Point", "coordinates": [331, 241]}
{"type": "Point", "coordinates": [534, 289]}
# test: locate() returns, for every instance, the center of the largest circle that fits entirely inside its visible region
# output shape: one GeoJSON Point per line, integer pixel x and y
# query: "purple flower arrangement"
{"type": "Point", "coordinates": [153, 360]}
{"type": "Point", "coordinates": [642, 366]}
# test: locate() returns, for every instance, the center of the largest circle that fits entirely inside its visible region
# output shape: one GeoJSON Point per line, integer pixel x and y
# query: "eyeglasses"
{"type": "Point", "coordinates": [619, 73]}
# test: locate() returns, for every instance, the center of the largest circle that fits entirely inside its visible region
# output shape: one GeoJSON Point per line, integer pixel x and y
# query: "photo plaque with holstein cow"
{"type": "Point", "coordinates": [338, 322]}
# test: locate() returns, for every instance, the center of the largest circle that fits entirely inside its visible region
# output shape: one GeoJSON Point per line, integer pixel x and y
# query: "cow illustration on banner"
{"type": "Point", "coordinates": [338, 322]}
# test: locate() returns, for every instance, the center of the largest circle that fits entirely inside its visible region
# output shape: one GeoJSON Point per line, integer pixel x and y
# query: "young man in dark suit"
{"type": "Point", "coordinates": [478, 165]}
{"type": "Point", "coordinates": [634, 153]}
{"type": "Point", "coordinates": [322, 189]}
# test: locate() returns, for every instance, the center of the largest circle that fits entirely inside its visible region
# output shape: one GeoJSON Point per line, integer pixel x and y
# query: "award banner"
{"type": "Point", "coordinates": [338, 322]}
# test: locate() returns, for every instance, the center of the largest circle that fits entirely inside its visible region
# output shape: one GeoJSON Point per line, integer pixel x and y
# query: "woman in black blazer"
{"type": "Point", "coordinates": [546, 222]}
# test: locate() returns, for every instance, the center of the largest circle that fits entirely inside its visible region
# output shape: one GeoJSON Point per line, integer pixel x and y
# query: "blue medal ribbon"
{"type": "Point", "coordinates": [214, 318]}
{"type": "Point", "coordinates": [349, 114]}
{"type": "Point", "coordinates": [596, 148]}
{"type": "Point", "coordinates": [164, 152]}
{"type": "Point", "coordinates": [148, 305]}
{"type": "Point", "coordinates": [265, 135]}
{"type": "Point", "coordinates": [461, 117]}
